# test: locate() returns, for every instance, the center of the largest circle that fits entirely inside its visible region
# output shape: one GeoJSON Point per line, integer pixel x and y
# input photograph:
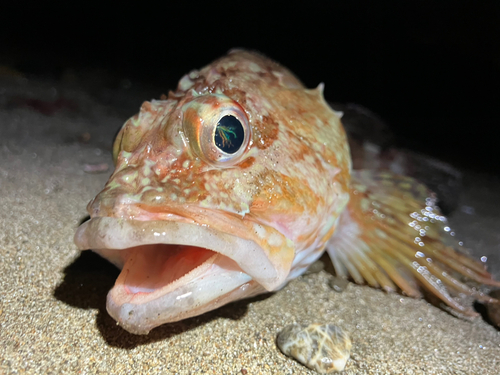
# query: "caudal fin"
{"type": "Point", "coordinates": [392, 235]}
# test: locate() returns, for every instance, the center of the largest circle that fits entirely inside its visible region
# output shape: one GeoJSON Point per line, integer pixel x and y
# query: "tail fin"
{"type": "Point", "coordinates": [393, 235]}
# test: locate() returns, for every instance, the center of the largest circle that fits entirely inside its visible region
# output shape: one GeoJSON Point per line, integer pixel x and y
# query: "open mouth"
{"type": "Point", "coordinates": [149, 268]}
{"type": "Point", "coordinates": [173, 270]}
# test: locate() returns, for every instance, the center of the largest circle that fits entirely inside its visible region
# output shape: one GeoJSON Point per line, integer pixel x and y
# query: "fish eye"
{"type": "Point", "coordinates": [229, 134]}
{"type": "Point", "coordinates": [217, 128]}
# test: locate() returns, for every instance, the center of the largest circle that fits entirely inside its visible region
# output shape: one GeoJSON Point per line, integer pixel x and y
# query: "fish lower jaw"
{"type": "Point", "coordinates": [141, 319]}
{"type": "Point", "coordinates": [148, 294]}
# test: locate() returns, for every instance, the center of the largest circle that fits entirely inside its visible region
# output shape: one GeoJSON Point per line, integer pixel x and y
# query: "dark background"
{"type": "Point", "coordinates": [432, 71]}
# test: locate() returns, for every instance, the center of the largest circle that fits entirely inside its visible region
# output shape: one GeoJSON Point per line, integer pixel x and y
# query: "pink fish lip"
{"type": "Point", "coordinates": [110, 237]}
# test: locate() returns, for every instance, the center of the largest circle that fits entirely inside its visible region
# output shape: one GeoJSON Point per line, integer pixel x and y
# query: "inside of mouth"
{"type": "Point", "coordinates": [152, 267]}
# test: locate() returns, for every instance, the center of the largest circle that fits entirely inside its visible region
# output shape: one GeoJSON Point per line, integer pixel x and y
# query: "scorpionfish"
{"type": "Point", "coordinates": [236, 182]}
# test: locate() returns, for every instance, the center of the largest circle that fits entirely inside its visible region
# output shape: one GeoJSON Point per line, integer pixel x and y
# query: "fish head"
{"type": "Point", "coordinates": [216, 189]}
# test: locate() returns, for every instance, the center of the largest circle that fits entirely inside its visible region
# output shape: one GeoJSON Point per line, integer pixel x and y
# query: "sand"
{"type": "Point", "coordinates": [52, 297]}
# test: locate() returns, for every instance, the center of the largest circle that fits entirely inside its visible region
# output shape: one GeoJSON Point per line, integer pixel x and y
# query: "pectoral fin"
{"type": "Point", "coordinates": [392, 235]}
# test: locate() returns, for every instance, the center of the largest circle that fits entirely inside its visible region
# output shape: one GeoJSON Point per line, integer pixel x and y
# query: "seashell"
{"type": "Point", "coordinates": [338, 284]}
{"type": "Point", "coordinates": [321, 347]}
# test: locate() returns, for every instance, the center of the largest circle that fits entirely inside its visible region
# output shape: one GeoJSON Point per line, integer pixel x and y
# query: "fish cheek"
{"type": "Point", "coordinates": [265, 132]}
{"type": "Point", "coordinates": [247, 163]}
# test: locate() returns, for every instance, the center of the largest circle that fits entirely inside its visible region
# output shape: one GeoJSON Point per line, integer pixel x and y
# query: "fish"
{"type": "Point", "coordinates": [233, 184]}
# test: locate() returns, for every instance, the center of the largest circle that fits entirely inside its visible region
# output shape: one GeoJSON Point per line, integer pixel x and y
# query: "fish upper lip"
{"type": "Point", "coordinates": [108, 233]}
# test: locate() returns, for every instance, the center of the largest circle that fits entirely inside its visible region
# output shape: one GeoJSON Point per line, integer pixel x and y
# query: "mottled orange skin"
{"type": "Point", "coordinates": [260, 216]}
{"type": "Point", "coordinates": [293, 177]}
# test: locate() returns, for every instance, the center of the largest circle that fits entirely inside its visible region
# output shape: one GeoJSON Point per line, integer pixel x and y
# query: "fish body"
{"type": "Point", "coordinates": [234, 184]}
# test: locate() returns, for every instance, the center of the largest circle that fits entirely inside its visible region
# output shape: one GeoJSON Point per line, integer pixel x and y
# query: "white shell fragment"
{"type": "Point", "coordinates": [321, 347]}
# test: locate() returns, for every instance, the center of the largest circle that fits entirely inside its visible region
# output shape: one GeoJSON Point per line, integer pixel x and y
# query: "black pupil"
{"type": "Point", "coordinates": [229, 134]}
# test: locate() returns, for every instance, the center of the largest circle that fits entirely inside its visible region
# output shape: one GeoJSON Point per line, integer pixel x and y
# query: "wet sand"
{"type": "Point", "coordinates": [52, 297]}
